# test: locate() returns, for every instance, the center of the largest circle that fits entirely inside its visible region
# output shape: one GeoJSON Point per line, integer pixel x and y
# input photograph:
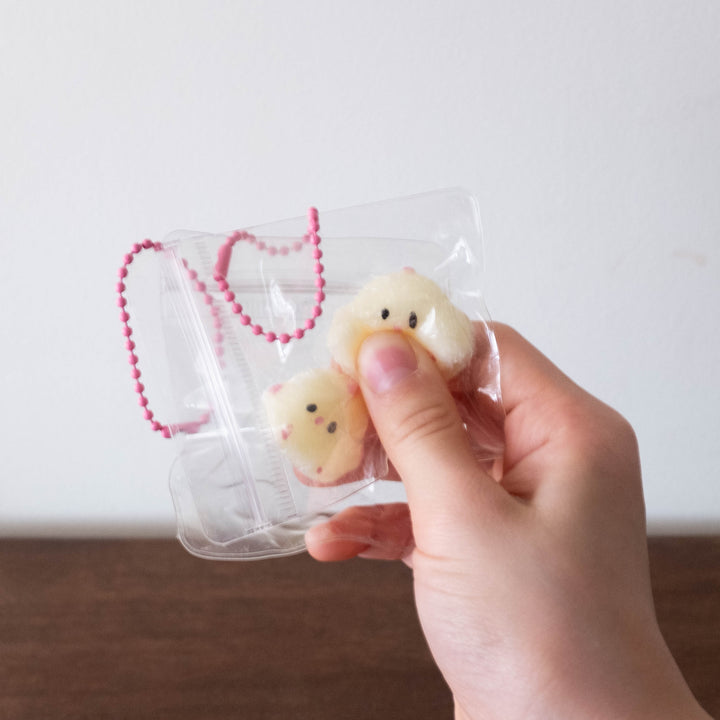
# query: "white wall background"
{"type": "Point", "coordinates": [589, 131]}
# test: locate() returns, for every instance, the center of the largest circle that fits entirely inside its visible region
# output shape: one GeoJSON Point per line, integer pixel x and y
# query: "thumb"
{"type": "Point", "coordinates": [421, 430]}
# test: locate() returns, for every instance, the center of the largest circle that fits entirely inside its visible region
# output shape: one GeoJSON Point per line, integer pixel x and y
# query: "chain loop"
{"type": "Point", "coordinates": [221, 268]}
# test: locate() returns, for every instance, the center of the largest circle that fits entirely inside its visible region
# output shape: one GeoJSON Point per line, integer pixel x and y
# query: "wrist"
{"type": "Point", "coordinates": [649, 685]}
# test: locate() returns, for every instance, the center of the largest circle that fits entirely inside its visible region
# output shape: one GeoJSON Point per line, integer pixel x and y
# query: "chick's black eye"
{"type": "Point", "coordinates": [312, 407]}
{"type": "Point", "coordinates": [385, 314]}
{"type": "Point", "coordinates": [332, 427]}
{"type": "Point", "coordinates": [413, 320]}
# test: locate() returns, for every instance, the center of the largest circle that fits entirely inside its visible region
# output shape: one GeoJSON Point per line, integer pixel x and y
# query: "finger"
{"type": "Point", "coordinates": [552, 422]}
{"type": "Point", "coordinates": [376, 531]}
{"type": "Point", "coordinates": [422, 432]}
{"type": "Point", "coordinates": [535, 393]}
{"type": "Point", "coordinates": [526, 374]}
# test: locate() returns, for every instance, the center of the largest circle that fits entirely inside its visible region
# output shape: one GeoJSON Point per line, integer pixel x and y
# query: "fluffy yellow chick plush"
{"type": "Point", "coordinates": [412, 304]}
{"type": "Point", "coordinates": [319, 419]}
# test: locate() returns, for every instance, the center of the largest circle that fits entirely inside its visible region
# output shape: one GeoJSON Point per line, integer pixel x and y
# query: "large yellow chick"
{"type": "Point", "coordinates": [410, 303]}
{"type": "Point", "coordinates": [319, 419]}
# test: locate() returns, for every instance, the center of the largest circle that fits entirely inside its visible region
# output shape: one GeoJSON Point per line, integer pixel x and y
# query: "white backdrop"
{"type": "Point", "coordinates": [589, 131]}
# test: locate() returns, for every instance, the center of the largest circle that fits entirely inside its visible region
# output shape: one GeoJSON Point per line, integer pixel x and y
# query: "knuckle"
{"type": "Point", "coordinates": [598, 434]}
{"type": "Point", "coordinates": [422, 422]}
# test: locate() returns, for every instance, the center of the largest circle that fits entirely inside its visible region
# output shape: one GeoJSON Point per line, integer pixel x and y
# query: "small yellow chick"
{"type": "Point", "coordinates": [319, 419]}
{"type": "Point", "coordinates": [410, 303]}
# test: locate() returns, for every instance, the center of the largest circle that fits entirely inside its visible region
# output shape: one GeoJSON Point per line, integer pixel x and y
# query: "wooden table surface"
{"type": "Point", "coordinates": [140, 629]}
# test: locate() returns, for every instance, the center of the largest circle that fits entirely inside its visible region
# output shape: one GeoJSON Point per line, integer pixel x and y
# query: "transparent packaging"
{"type": "Point", "coordinates": [260, 333]}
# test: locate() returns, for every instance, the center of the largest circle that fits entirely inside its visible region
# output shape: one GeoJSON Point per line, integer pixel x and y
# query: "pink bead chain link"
{"type": "Point", "coordinates": [224, 254]}
{"type": "Point", "coordinates": [221, 268]}
{"type": "Point", "coordinates": [165, 430]}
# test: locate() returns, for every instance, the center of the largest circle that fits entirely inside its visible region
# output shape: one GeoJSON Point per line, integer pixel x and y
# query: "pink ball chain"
{"type": "Point", "coordinates": [223, 263]}
{"type": "Point", "coordinates": [165, 430]}
{"type": "Point", "coordinates": [221, 268]}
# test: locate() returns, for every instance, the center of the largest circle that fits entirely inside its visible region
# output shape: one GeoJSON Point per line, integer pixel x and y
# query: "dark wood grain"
{"type": "Point", "coordinates": [686, 586]}
{"type": "Point", "coordinates": [140, 629]}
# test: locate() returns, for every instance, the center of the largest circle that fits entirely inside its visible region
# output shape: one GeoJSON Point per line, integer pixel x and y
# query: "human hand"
{"type": "Point", "coordinates": [534, 591]}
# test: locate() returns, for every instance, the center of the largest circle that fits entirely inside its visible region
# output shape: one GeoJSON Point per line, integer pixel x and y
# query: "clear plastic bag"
{"type": "Point", "coordinates": [261, 328]}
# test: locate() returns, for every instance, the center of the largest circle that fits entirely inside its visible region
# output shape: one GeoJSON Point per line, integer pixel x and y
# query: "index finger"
{"type": "Point", "coordinates": [526, 375]}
